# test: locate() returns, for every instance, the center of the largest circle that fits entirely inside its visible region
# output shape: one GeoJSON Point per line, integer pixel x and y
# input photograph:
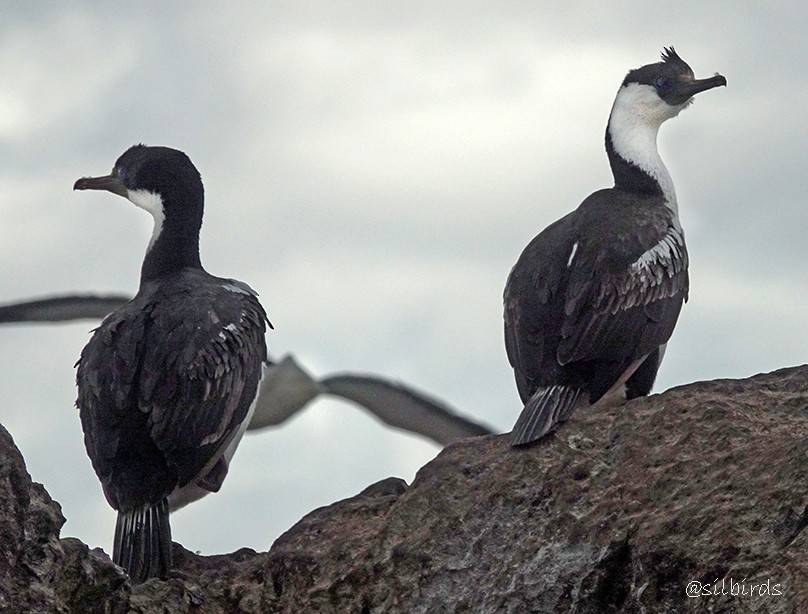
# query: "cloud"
{"type": "Point", "coordinates": [374, 171]}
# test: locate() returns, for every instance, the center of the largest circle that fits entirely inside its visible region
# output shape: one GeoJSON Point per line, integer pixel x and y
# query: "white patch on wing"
{"type": "Point", "coordinates": [572, 253]}
{"type": "Point", "coordinates": [645, 279]}
{"type": "Point", "coordinates": [634, 123]}
{"type": "Point", "coordinates": [231, 328]}
{"type": "Point", "coordinates": [669, 252]}
{"type": "Point", "coordinates": [153, 203]}
{"type": "Point", "coordinates": [239, 287]}
{"type": "Point", "coordinates": [647, 275]}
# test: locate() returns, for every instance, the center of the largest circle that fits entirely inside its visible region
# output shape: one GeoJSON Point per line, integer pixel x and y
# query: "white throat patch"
{"type": "Point", "coordinates": [634, 123]}
{"type": "Point", "coordinates": [153, 203]}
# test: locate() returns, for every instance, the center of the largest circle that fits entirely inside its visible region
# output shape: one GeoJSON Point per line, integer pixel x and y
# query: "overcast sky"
{"type": "Point", "coordinates": [374, 170]}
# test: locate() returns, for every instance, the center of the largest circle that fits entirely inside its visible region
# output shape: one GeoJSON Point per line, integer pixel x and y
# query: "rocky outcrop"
{"type": "Point", "coordinates": [38, 571]}
{"type": "Point", "coordinates": [621, 510]}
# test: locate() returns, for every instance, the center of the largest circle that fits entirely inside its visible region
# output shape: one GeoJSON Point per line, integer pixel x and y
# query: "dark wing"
{"type": "Point", "coordinates": [402, 407]}
{"type": "Point", "coordinates": [197, 398]}
{"type": "Point", "coordinates": [61, 308]}
{"type": "Point", "coordinates": [625, 291]}
{"type": "Point", "coordinates": [533, 302]}
{"type": "Point", "coordinates": [114, 428]}
{"type": "Point", "coordinates": [164, 385]}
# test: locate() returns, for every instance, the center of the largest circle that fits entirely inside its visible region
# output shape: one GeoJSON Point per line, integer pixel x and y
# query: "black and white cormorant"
{"type": "Point", "coordinates": [593, 299]}
{"type": "Point", "coordinates": [167, 383]}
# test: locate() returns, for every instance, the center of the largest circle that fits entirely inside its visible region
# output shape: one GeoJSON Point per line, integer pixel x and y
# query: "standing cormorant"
{"type": "Point", "coordinates": [593, 299]}
{"type": "Point", "coordinates": [167, 383]}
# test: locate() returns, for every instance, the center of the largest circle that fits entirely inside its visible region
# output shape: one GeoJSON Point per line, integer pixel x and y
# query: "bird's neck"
{"type": "Point", "coordinates": [631, 145]}
{"type": "Point", "coordinates": [173, 247]}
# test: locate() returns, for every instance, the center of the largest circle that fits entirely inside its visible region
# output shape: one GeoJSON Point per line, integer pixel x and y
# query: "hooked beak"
{"type": "Point", "coordinates": [685, 90]}
{"type": "Point", "coordinates": [111, 183]}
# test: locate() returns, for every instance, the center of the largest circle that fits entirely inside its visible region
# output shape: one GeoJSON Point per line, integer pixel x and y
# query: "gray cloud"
{"type": "Point", "coordinates": [374, 172]}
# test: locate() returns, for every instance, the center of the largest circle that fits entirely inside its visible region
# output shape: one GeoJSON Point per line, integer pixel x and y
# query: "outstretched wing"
{"type": "Point", "coordinates": [61, 308]}
{"type": "Point", "coordinates": [402, 407]}
{"type": "Point", "coordinates": [285, 390]}
{"type": "Point", "coordinates": [286, 387]}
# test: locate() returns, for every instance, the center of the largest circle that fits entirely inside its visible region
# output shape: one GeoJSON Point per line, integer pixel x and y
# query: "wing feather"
{"type": "Point", "coordinates": [533, 305]}
{"type": "Point", "coordinates": [635, 307]}
{"type": "Point", "coordinates": [61, 308]}
{"type": "Point", "coordinates": [201, 397]}
{"type": "Point", "coordinates": [403, 407]}
{"type": "Point", "coordinates": [164, 384]}
{"type": "Point", "coordinates": [594, 292]}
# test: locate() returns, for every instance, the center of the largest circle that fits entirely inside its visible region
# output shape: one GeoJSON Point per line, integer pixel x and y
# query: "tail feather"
{"type": "Point", "coordinates": [543, 411]}
{"type": "Point", "coordinates": [142, 543]}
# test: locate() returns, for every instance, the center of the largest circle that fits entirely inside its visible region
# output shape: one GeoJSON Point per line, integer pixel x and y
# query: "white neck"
{"type": "Point", "coordinates": [153, 203]}
{"type": "Point", "coordinates": [634, 123]}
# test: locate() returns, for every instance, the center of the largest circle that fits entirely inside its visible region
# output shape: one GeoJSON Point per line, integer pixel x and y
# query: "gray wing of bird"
{"type": "Point", "coordinates": [285, 389]}
{"type": "Point", "coordinates": [61, 308]}
{"type": "Point", "coordinates": [403, 407]}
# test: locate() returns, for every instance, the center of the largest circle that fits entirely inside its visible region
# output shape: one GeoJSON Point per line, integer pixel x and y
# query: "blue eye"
{"type": "Point", "coordinates": [662, 83]}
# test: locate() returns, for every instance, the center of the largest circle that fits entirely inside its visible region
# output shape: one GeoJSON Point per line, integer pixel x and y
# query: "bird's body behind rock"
{"type": "Point", "coordinates": [594, 298]}
{"type": "Point", "coordinates": [167, 383]}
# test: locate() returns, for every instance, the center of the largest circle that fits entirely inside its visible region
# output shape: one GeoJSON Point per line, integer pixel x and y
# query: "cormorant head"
{"type": "Point", "coordinates": [161, 180]}
{"type": "Point", "coordinates": [659, 91]}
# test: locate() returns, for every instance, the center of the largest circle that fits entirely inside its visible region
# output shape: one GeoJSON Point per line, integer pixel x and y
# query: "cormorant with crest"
{"type": "Point", "coordinates": [594, 298]}
{"type": "Point", "coordinates": [167, 383]}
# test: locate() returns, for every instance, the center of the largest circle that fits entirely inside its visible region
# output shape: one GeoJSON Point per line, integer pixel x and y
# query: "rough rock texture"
{"type": "Point", "coordinates": [618, 511]}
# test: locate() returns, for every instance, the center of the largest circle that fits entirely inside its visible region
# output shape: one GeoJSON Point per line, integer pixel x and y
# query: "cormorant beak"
{"type": "Point", "coordinates": [111, 183]}
{"type": "Point", "coordinates": [685, 90]}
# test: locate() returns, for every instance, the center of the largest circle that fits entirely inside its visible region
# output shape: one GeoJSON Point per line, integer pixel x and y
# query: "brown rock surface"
{"type": "Point", "coordinates": [618, 511]}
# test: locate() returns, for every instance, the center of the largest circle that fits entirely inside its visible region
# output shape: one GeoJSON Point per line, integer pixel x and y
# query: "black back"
{"type": "Point", "coordinates": [165, 382]}
{"type": "Point", "coordinates": [582, 321]}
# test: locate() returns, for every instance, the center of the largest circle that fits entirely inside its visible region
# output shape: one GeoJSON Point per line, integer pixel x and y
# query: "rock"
{"type": "Point", "coordinates": [38, 571]}
{"type": "Point", "coordinates": [618, 511]}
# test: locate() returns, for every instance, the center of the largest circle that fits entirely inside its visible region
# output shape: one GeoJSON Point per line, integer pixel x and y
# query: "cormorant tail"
{"type": "Point", "coordinates": [142, 543]}
{"type": "Point", "coordinates": [543, 411]}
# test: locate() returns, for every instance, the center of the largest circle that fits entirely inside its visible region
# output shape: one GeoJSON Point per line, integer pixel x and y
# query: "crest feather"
{"type": "Point", "coordinates": [669, 55]}
{"type": "Point", "coordinates": [672, 59]}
